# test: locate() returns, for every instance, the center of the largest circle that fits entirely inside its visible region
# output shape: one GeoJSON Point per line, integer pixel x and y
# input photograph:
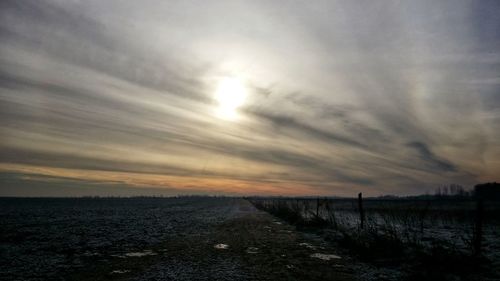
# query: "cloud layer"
{"type": "Point", "coordinates": [380, 97]}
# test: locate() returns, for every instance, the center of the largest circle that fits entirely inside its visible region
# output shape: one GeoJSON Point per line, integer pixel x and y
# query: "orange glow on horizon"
{"type": "Point", "coordinates": [180, 183]}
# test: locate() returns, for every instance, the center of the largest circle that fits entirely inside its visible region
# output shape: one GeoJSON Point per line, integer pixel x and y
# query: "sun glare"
{"type": "Point", "coordinates": [230, 95]}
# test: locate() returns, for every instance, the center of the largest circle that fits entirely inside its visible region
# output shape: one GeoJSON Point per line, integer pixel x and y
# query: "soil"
{"type": "Point", "coordinates": [119, 241]}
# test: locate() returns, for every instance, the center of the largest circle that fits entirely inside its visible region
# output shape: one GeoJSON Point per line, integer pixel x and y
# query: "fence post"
{"type": "Point", "coordinates": [361, 212]}
{"type": "Point", "coordinates": [317, 207]}
{"type": "Point", "coordinates": [478, 226]}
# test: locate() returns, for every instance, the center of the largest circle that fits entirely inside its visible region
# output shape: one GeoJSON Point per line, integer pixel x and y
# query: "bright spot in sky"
{"type": "Point", "coordinates": [230, 95]}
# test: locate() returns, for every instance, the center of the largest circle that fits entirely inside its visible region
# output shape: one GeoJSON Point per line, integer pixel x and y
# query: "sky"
{"type": "Point", "coordinates": [122, 98]}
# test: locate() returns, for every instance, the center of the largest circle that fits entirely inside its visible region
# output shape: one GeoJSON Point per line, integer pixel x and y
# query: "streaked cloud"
{"type": "Point", "coordinates": [380, 97]}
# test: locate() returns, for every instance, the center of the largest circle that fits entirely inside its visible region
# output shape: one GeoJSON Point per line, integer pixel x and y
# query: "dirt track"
{"type": "Point", "coordinates": [259, 248]}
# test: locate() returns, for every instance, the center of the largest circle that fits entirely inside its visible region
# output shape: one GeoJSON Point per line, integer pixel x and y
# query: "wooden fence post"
{"type": "Point", "coordinates": [317, 207]}
{"type": "Point", "coordinates": [361, 212]}
{"type": "Point", "coordinates": [478, 226]}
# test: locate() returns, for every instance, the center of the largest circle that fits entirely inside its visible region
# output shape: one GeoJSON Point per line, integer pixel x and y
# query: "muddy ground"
{"type": "Point", "coordinates": [195, 238]}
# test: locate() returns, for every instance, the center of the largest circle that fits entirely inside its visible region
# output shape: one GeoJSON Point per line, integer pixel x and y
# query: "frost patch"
{"type": "Point", "coordinates": [120, 271]}
{"type": "Point", "coordinates": [307, 245]}
{"type": "Point", "coordinates": [324, 257]}
{"type": "Point", "coordinates": [136, 254]}
{"type": "Point", "coordinates": [140, 254]}
{"type": "Point", "coordinates": [252, 250]}
{"type": "Point", "coordinates": [221, 246]}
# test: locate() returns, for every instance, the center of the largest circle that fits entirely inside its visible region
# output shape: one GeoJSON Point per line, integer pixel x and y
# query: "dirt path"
{"type": "Point", "coordinates": [253, 246]}
{"type": "Point", "coordinates": [275, 251]}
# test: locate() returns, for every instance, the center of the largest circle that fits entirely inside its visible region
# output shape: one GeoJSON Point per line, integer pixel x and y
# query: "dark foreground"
{"type": "Point", "coordinates": [158, 239]}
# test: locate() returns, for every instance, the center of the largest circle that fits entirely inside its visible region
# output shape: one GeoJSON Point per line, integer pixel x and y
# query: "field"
{"type": "Point", "coordinates": [209, 238]}
{"type": "Point", "coordinates": [426, 238]}
{"type": "Point", "coordinates": [154, 239]}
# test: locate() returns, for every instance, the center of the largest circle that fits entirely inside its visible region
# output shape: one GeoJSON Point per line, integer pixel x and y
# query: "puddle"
{"type": "Point", "coordinates": [252, 250]}
{"type": "Point", "coordinates": [324, 257]}
{"type": "Point", "coordinates": [221, 246]}
{"type": "Point", "coordinates": [120, 271]}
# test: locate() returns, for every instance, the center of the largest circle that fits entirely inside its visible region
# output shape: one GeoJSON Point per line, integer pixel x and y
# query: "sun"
{"type": "Point", "coordinates": [230, 95]}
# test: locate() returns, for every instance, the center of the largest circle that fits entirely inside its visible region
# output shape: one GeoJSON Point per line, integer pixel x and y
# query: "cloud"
{"type": "Point", "coordinates": [379, 97]}
{"type": "Point", "coordinates": [428, 156]}
{"type": "Point", "coordinates": [281, 121]}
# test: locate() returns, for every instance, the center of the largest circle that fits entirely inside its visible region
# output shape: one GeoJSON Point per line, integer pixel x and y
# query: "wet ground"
{"type": "Point", "coordinates": [195, 238]}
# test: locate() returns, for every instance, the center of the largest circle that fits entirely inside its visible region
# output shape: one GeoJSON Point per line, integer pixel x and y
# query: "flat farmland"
{"type": "Point", "coordinates": [186, 238]}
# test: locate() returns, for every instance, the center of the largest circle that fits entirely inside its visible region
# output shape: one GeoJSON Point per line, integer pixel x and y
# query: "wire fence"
{"type": "Point", "coordinates": [462, 223]}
